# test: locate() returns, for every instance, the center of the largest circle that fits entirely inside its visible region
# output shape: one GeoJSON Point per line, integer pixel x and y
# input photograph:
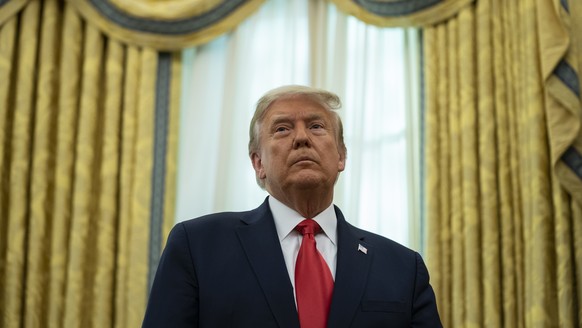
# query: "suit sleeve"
{"type": "Point", "coordinates": [424, 311]}
{"type": "Point", "coordinates": [173, 300]}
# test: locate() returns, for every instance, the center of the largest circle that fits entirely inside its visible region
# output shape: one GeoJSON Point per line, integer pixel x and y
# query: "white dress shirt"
{"type": "Point", "coordinates": [285, 221]}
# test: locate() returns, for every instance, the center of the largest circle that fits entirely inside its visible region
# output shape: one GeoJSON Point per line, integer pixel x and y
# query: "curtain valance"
{"type": "Point", "coordinates": [402, 13]}
{"type": "Point", "coordinates": [176, 24]}
{"type": "Point", "coordinates": [165, 25]}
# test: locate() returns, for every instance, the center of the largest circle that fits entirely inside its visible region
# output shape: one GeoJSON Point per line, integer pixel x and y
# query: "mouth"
{"type": "Point", "coordinates": [303, 160]}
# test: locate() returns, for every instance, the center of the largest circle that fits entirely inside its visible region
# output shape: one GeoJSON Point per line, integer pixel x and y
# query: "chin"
{"type": "Point", "coordinates": [308, 182]}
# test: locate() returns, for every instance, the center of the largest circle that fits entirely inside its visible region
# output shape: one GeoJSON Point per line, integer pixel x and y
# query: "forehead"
{"type": "Point", "coordinates": [296, 108]}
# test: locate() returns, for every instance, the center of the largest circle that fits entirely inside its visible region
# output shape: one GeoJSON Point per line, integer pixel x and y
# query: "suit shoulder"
{"type": "Point", "coordinates": [214, 220]}
{"type": "Point", "coordinates": [207, 230]}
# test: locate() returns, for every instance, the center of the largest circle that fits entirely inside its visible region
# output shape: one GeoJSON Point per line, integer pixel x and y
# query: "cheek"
{"type": "Point", "coordinates": [269, 165]}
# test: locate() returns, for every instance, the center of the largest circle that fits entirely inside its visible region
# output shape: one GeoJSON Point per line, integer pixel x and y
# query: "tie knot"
{"type": "Point", "coordinates": [308, 226]}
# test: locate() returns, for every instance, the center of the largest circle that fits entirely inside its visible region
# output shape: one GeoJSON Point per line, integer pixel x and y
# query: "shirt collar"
{"type": "Point", "coordinates": [286, 219]}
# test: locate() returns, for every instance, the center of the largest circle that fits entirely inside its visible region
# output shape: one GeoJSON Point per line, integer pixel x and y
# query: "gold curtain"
{"type": "Point", "coordinates": [79, 158]}
{"type": "Point", "coordinates": [505, 230]}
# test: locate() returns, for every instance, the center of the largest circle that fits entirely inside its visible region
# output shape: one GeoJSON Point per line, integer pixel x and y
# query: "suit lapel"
{"type": "Point", "coordinates": [263, 250]}
{"type": "Point", "coordinates": [351, 274]}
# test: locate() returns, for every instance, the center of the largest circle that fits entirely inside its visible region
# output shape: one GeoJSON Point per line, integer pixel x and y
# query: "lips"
{"type": "Point", "coordinates": [301, 159]}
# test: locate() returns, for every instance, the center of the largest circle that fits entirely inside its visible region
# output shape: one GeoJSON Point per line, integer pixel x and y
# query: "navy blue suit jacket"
{"type": "Point", "coordinates": [227, 270]}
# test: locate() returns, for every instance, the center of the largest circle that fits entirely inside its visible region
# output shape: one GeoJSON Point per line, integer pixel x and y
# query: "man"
{"type": "Point", "coordinates": [294, 261]}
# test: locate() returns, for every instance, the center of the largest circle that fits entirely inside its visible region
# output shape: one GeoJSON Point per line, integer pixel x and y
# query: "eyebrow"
{"type": "Point", "coordinates": [287, 118]}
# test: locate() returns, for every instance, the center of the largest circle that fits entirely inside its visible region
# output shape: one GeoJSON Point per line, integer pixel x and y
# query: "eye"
{"type": "Point", "coordinates": [280, 129]}
{"type": "Point", "coordinates": [317, 126]}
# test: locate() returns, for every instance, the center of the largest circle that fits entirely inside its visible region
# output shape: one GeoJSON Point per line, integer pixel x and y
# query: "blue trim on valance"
{"type": "Point", "coordinates": [173, 27]}
{"type": "Point", "coordinates": [396, 8]}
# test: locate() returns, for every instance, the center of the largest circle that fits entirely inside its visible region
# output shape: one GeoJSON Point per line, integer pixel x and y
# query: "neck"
{"type": "Point", "coordinates": [308, 203]}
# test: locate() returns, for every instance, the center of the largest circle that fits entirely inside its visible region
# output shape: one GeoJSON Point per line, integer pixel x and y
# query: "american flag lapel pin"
{"type": "Point", "coordinates": [362, 249]}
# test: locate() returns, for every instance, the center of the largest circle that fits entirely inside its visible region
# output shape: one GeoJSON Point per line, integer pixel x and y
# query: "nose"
{"type": "Point", "coordinates": [301, 138]}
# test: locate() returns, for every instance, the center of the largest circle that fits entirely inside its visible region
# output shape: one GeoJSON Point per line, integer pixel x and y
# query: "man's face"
{"type": "Point", "coordinates": [298, 146]}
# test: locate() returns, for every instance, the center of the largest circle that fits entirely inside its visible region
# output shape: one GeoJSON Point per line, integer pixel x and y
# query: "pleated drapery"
{"type": "Point", "coordinates": [84, 130]}
{"type": "Point", "coordinates": [505, 230]}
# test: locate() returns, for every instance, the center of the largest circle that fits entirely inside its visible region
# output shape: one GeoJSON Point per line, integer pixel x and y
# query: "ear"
{"type": "Point", "coordinates": [342, 162]}
{"type": "Point", "coordinates": [258, 165]}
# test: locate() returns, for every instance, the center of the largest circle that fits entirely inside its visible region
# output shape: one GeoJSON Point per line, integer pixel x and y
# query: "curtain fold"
{"type": "Point", "coordinates": [80, 130]}
{"type": "Point", "coordinates": [504, 228]}
{"type": "Point", "coordinates": [18, 144]}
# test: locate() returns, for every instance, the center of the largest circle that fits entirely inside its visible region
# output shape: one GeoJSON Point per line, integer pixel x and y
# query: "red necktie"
{"type": "Point", "coordinates": [313, 280]}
